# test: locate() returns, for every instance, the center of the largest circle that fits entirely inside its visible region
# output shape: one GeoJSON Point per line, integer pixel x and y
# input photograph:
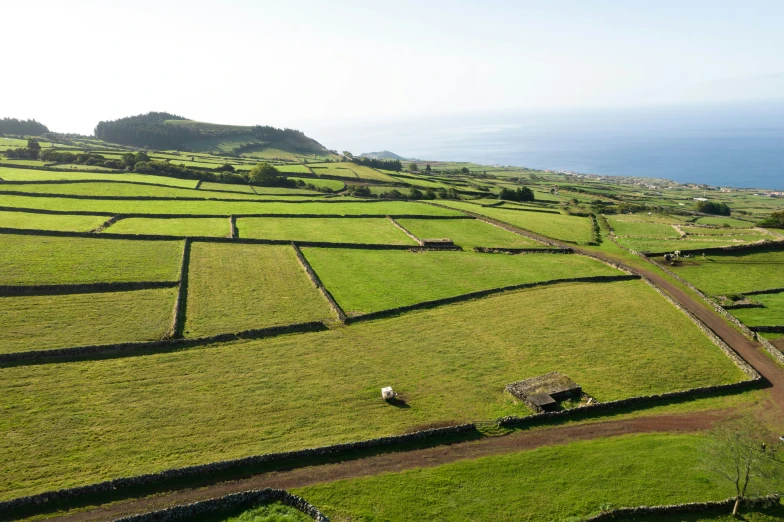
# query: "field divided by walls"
{"type": "Point", "coordinates": [201, 340]}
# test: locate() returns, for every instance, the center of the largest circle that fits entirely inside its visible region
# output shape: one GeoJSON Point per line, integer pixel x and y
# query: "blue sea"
{"type": "Point", "coordinates": [731, 144]}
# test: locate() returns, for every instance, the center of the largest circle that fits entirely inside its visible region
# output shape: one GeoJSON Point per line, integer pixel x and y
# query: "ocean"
{"type": "Point", "coordinates": [731, 145]}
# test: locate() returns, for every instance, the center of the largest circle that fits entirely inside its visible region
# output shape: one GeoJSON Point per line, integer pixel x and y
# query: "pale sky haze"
{"type": "Point", "coordinates": [287, 63]}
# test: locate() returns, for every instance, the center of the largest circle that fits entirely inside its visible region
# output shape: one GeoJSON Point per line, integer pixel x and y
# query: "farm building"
{"type": "Point", "coordinates": [544, 392]}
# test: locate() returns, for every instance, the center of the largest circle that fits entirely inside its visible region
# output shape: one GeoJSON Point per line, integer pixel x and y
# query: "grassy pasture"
{"type": "Point", "coordinates": [687, 243]}
{"type": "Point", "coordinates": [285, 205]}
{"type": "Point", "coordinates": [50, 221]}
{"type": "Point", "coordinates": [730, 232]}
{"type": "Point", "coordinates": [231, 187]}
{"type": "Point", "coordinates": [720, 221]}
{"type": "Point", "coordinates": [63, 321]}
{"type": "Point", "coordinates": [369, 230]}
{"type": "Point", "coordinates": [365, 281]}
{"type": "Point", "coordinates": [333, 184]}
{"type": "Point", "coordinates": [625, 227]}
{"type": "Point", "coordinates": [734, 272]}
{"type": "Point", "coordinates": [275, 512]}
{"type": "Point", "coordinates": [548, 483]}
{"type": "Point", "coordinates": [148, 413]}
{"type": "Point", "coordinates": [242, 287]}
{"type": "Point", "coordinates": [467, 233]}
{"type": "Point", "coordinates": [557, 226]}
{"type": "Point", "coordinates": [135, 189]}
{"type": "Point", "coordinates": [341, 172]}
{"type": "Point", "coordinates": [771, 315]}
{"type": "Point", "coordinates": [294, 169]}
{"type": "Point", "coordinates": [11, 174]}
{"type": "Point", "coordinates": [211, 227]}
{"type": "Point", "coordinates": [34, 260]}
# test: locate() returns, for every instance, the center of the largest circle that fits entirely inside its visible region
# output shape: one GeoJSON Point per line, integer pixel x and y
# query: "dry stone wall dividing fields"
{"type": "Point", "coordinates": [247, 499]}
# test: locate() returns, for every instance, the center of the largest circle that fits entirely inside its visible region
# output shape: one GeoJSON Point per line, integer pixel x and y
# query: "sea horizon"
{"type": "Point", "coordinates": [732, 144]}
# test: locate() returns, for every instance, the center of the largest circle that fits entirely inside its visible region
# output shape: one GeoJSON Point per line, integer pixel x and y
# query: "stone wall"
{"type": "Point", "coordinates": [771, 349]}
{"type": "Point", "coordinates": [131, 348]}
{"type": "Point", "coordinates": [314, 278]}
{"type": "Point", "coordinates": [228, 504]}
{"type": "Point", "coordinates": [205, 470]}
{"type": "Point", "coordinates": [88, 288]}
{"type": "Point", "coordinates": [485, 293]}
{"type": "Point", "coordinates": [405, 231]}
{"type": "Point", "coordinates": [177, 327]}
{"type": "Point", "coordinates": [692, 507]}
{"type": "Point", "coordinates": [493, 250]}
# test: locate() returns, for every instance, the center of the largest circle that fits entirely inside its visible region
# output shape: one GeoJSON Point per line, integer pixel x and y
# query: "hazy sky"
{"type": "Point", "coordinates": [71, 64]}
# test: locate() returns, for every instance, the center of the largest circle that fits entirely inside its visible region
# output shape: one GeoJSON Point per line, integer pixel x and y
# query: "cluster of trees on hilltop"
{"type": "Point", "coordinates": [713, 207]}
{"type": "Point", "coordinates": [521, 194]}
{"type": "Point", "coordinates": [151, 130]}
{"type": "Point", "coordinates": [14, 126]}
{"type": "Point", "coordinates": [384, 164]}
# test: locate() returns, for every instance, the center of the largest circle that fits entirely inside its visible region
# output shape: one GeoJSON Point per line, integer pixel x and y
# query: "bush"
{"type": "Point", "coordinates": [776, 220]}
{"type": "Point", "coordinates": [521, 194]}
{"type": "Point", "coordinates": [712, 207]}
{"type": "Point", "coordinates": [266, 175]}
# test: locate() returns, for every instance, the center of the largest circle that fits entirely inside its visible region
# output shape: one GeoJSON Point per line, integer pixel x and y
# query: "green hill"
{"type": "Point", "coordinates": [164, 131]}
{"type": "Point", "coordinates": [384, 154]}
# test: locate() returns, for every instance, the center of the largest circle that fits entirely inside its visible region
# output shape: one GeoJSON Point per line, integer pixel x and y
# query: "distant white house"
{"type": "Point", "coordinates": [700, 199]}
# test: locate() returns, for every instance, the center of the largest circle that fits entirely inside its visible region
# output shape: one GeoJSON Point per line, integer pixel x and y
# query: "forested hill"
{"type": "Point", "coordinates": [161, 130]}
{"type": "Point", "coordinates": [25, 127]}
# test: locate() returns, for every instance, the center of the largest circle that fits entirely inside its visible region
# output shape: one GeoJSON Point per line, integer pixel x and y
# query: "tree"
{"type": "Point", "coordinates": [33, 144]}
{"type": "Point", "coordinates": [465, 170]}
{"type": "Point", "coordinates": [265, 175]}
{"type": "Point", "coordinates": [226, 167]}
{"type": "Point", "coordinates": [427, 168]}
{"type": "Point", "coordinates": [738, 452]}
{"type": "Point", "coordinates": [415, 193]}
{"type": "Point", "coordinates": [348, 155]}
{"type": "Point", "coordinates": [776, 220]}
{"type": "Point", "coordinates": [413, 167]}
{"type": "Point", "coordinates": [711, 207]}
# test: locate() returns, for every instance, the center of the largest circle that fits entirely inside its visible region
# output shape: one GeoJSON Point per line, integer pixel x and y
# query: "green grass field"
{"type": "Point", "coordinates": [688, 243]}
{"type": "Point", "coordinates": [734, 272]}
{"type": "Point", "coordinates": [549, 483]}
{"type": "Point", "coordinates": [242, 287]}
{"type": "Point", "coordinates": [142, 414]}
{"type": "Point", "coordinates": [332, 184]}
{"type": "Point", "coordinates": [365, 281]}
{"type": "Point", "coordinates": [50, 221]}
{"type": "Point", "coordinates": [275, 512]}
{"type": "Point", "coordinates": [720, 221]}
{"type": "Point", "coordinates": [12, 174]}
{"type": "Point", "coordinates": [33, 260]}
{"type": "Point", "coordinates": [771, 315]}
{"type": "Point", "coordinates": [294, 169]}
{"type": "Point", "coordinates": [557, 226]}
{"type": "Point", "coordinates": [211, 227]}
{"type": "Point", "coordinates": [285, 205]}
{"type": "Point", "coordinates": [467, 233]}
{"type": "Point", "coordinates": [369, 230]}
{"type": "Point", "coordinates": [624, 227]}
{"type": "Point", "coordinates": [64, 321]}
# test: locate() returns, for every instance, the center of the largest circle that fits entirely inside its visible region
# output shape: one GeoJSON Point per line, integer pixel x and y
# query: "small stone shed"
{"type": "Point", "coordinates": [544, 392]}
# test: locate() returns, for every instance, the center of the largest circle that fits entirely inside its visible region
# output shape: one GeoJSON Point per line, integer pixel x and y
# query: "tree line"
{"type": "Point", "coordinates": [383, 164]}
{"type": "Point", "coordinates": [521, 194]}
{"type": "Point", "coordinates": [713, 207]}
{"type": "Point", "coordinates": [22, 127]}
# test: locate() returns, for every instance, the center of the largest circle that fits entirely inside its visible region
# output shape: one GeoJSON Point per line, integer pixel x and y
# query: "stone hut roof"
{"type": "Point", "coordinates": [553, 384]}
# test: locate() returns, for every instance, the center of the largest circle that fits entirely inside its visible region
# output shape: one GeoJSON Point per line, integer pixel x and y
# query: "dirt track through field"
{"type": "Point", "coordinates": [751, 351]}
